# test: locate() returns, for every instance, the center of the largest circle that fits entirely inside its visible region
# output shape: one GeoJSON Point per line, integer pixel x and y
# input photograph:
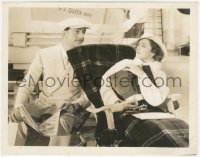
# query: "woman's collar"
{"type": "Point", "coordinates": [155, 65]}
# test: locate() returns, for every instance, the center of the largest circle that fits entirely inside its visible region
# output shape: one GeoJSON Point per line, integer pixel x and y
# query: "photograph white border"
{"type": "Point", "coordinates": [192, 149]}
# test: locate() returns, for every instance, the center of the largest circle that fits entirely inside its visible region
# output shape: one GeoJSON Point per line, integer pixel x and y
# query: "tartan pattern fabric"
{"type": "Point", "coordinates": [131, 87]}
{"type": "Point", "coordinates": [156, 132]}
{"type": "Point", "coordinates": [126, 89]}
{"type": "Point", "coordinates": [93, 61]}
{"type": "Point", "coordinates": [90, 62]}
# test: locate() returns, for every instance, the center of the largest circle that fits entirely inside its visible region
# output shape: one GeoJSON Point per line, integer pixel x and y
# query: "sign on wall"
{"type": "Point", "coordinates": [95, 15]}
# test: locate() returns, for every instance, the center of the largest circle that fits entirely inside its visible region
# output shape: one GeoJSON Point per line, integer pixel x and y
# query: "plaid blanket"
{"type": "Point", "coordinates": [90, 62]}
{"type": "Point", "coordinates": [155, 132]}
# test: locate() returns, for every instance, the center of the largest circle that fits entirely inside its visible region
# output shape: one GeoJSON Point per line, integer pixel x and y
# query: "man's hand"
{"type": "Point", "coordinates": [71, 107]}
{"type": "Point", "coordinates": [15, 116]}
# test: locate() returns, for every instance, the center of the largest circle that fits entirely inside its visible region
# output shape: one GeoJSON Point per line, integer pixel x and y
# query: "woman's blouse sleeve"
{"type": "Point", "coordinates": [154, 95]}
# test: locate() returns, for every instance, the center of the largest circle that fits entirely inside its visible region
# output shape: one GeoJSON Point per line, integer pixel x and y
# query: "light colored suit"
{"type": "Point", "coordinates": [58, 87]}
{"type": "Point", "coordinates": [58, 84]}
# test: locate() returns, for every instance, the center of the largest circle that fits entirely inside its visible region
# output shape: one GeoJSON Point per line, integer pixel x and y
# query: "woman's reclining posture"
{"type": "Point", "coordinates": [143, 75]}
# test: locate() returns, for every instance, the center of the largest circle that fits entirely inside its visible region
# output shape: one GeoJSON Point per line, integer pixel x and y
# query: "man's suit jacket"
{"type": "Point", "coordinates": [58, 85]}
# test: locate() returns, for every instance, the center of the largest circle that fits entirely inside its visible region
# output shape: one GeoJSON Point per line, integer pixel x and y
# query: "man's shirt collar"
{"type": "Point", "coordinates": [63, 52]}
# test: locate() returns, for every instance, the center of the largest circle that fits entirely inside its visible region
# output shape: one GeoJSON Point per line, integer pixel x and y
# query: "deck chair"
{"type": "Point", "coordinates": [90, 62]}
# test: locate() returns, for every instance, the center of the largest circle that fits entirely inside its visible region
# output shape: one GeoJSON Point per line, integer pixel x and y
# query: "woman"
{"type": "Point", "coordinates": [148, 80]}
{"type": "Point", "coordinates": [149, 51]}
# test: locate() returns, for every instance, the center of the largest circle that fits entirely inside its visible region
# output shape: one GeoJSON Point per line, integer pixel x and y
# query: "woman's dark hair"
{"type": "Point", "coordinates": [156, 50]}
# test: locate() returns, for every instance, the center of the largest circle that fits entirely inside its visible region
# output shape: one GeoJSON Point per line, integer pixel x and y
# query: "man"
{"type": "Point", "coordinates": [59, 85]}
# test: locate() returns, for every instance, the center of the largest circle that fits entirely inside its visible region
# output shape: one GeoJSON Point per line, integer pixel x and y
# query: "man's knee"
{"type": "Point", "coordinates": [60, 140]}
{"type": "Point", "coordinates": [17, 133]}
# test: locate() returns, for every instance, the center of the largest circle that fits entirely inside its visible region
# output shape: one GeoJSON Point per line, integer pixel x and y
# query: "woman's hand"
{"type": "Point", "coordinates": [135, 69]}
{"type": "Point", "coordinates": [131, 105]}
{"type": "Point", "coordinates": [127, 106]}
{"type": "Point", "coordinates": [117, 102]}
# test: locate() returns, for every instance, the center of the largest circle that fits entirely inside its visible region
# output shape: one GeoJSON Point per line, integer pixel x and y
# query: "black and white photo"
{"type": "Point", "coordinates": [93, 76]}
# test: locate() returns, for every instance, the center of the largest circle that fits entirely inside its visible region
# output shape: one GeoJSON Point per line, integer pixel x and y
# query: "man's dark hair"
{"type": "Point", "coordinates": [66, 29]}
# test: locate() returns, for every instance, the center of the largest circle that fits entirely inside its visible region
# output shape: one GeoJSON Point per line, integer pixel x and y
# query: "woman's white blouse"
{"type": "Point", "coordinates": [152, 94]}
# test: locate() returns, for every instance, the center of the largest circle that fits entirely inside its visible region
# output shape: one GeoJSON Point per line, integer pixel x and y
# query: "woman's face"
{"type": "Point", "coordinates": [143, 50]}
